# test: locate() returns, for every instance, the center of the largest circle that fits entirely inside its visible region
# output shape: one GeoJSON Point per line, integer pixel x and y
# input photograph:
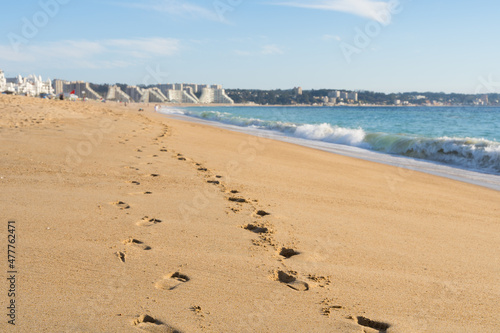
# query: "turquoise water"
{"type": "Point", "coordinates": [464, 137]}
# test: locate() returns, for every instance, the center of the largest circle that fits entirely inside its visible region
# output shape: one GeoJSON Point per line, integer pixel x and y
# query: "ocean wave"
{"type": "Point", "coordinates": [471, 153]}
{"type": "Point", "coordinates": [333, 134]}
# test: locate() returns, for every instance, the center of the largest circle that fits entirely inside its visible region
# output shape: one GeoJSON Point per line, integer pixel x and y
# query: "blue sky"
{"type": "Point", "coordinates": [377, 45]}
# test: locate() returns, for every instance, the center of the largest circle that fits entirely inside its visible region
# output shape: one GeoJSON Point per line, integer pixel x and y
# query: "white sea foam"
{"type": "Point", "coordinates": [334, 134]}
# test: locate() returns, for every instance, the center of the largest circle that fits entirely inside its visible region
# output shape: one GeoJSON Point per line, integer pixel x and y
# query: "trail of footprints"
{"type": "Point", "coordinates": [260, 226]}
{"type": "Point", "coordinates": [265, 230]}
{"type": "Point", "coordinates": [169, 282]}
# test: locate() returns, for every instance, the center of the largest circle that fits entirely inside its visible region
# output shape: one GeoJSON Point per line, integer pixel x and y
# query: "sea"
{"type": "Point", "coordinates": [461, 143]}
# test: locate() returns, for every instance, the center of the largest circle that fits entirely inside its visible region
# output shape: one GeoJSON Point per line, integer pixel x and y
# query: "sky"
{"type": "Point", "coordinates": [377, 45]}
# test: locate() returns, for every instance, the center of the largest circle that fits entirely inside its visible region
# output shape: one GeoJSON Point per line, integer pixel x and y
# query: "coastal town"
{"type": "Point", "coordinates": [205, 94]}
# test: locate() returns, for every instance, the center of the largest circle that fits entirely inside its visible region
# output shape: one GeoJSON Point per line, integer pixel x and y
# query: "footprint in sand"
{"type": "Point", "coordinates": [329, 307]}
{"type": "Point", "coordinates": [288, 253]}
{"type": "Point", "coordinates": [381, 327]}
{"type": "Point", "coordinates": [290, 280]}
{"type": "Point", "coordinates": [148, 222]}
{"type": "Point", "coordinates": [256, 228]}
{"type": "Point", "coordinates": [133, 182]}
{"type": "Point", "coordinates": [239, 200]}
{"type": "Point", "coordinates": [136, 243]}
{"type": "Point", "coordinates": [121, 256]}
{"type": "Point", "coordinates": [140, 193]}
{"type": "Point", "coordinates": [149, 324]}
{"type": "Point", "coordinates": [214, 182]}
{"type": "Point", "coordinates": [171, 281]}
{"type": "Point", "coordinates": [121, 205]}
{"type": "Point", "coordinates": [262, 213]}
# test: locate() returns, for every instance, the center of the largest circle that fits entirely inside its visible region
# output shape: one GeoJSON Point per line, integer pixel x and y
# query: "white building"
{"type": "Point", "coordinates": [193, 86]}
{"type": "Point", "coordinates": [353, 96]}
{"type": "Point", "coordinates": [182, 96]}
{"type": "Point", "coordinates": [58, 86]}
{"type": "Point", "coordinates": [3, 82]}
{"type": "Point", "coordinates": [155, 96]}
{"type": "Point", "coordinates": [116, 94]}
{"type": "Point", "coordinates": [31, 86]}
{"type": "Point", "coordinates": [82, 89]}
{"type": "Point", "coordinates": [136, 94]}
{"type": "Point", "coordinates": [334, 94]}
{"type": "Point", "coordinates": [217, 96]}
{"type": "Point", "coordinates": [145, 95]}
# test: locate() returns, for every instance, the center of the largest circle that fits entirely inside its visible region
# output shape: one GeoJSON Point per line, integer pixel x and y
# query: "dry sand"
{"type": "Point", "coordinates": [126, 221]}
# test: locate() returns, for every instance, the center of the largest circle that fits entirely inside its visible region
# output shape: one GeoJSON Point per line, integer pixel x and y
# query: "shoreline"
{"type": "Point", "coordinates": [487, 180]}
{"type": "Point", "coordinates": [127, 214]}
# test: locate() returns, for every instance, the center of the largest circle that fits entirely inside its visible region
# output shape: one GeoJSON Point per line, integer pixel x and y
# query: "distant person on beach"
{"type": "Point", "coordinates": [157, 108]}
{"type": "Point", "coordinates": [61, 97]}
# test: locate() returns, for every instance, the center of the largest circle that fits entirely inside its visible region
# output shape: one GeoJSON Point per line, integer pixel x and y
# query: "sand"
{"type": "Point", "coordinates": [129, 221]}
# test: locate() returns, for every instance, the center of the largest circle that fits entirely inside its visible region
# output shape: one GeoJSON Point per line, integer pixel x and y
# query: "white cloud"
{"type": "Point", "coordinates": [379, 11]}
{"type": "Point", "coordinates": [110, 53]}
{"type": "Point", "coordinates": [175, 7]}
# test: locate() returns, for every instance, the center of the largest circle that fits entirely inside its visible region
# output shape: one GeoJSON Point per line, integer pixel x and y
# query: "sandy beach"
{"type": "Point", "coordinates": [129, 221]}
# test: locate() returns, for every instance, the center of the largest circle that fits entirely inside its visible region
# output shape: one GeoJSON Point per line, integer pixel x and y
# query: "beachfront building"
{"type": "Point", "coordinates": [135, 93]}
{"type": "Point", "coordinates": [218, 96]}
{"type": "Point", "coordinates": [192, 86]}
{"type": "Point", "coordinates": [187, 93]}
{"type": "Point", "coordinates": [202, 86]}
{"type": "Point", "coordinates": [154, 95]}
{"type": "Point", "coordinates": [31, 85]}
{"type": "Point", "coordinates": [334, 94]}
{"type": "Point", "coordinates": [82, 89]}
{"type": "Point", "coordinates": [58, 86]}
{"type": "Point", "coordinates": [3, 82]}
{"type": "Point", "coordinates": [352, 96]}
{"type": "Point", "coordinates": [116, 94]}
{"type": "Point", "coordinates": [182, 96]}
{"type": "Point", "coordinates": [142, 95]}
